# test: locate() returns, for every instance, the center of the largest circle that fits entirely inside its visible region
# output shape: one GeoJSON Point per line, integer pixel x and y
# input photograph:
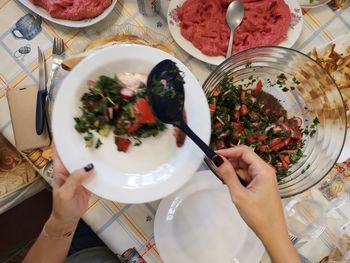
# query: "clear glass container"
{"type": "Point", "coordinates": [317, 95]}
{"type": "Point", "coordinates": [305, 218]}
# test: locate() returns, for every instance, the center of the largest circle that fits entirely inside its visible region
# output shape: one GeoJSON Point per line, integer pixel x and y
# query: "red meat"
{"type": "Point", "coordinates": [203, 22]}
{"type": "Point", "coordinates": [73, 9]}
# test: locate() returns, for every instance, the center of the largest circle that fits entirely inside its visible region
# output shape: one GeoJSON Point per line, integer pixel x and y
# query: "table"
{"type": "Point", "coordinates": [121, 226]}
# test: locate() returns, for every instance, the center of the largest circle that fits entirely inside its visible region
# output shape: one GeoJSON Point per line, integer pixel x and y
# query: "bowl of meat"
{"type": "Point", "coordinates": [283, 105]}
{"type": "Point", "coordinates": [101, 115]}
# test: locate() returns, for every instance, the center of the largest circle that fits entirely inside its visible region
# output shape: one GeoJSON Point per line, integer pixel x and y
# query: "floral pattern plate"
{"type": "Point", "coordinates": [294, 32]}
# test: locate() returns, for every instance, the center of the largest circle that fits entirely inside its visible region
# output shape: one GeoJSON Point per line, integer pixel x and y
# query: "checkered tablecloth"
{"type": "Point", "coordinates": [120, 226]}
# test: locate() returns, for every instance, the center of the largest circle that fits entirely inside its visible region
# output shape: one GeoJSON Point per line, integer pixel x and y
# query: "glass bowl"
{"type": "Point", "coordinates": [316, 96]}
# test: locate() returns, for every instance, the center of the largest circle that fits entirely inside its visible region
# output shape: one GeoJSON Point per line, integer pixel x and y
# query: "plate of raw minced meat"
{"type": "Point", "coordinates": [200, 28]}
{"type": "Point", "coordinates": [73, 13]}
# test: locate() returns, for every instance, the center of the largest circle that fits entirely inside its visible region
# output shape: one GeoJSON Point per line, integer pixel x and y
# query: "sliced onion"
{"type": "Point", "coordinates": [127, 93]}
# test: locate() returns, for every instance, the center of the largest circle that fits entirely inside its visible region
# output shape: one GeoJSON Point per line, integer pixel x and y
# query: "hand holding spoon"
{"type": "Point", "coordinates": [165, 91]}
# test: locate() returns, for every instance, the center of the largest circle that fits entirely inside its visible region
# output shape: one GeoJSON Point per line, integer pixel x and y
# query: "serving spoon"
{"type": "Point", "coordinates": [234, 17]}
{"type": "Point", "coordinates": [165, 91]}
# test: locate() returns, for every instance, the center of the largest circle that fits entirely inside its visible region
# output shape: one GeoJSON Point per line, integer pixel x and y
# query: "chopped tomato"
{"type": "Point", "coordinates": [288, 152]}
{"type": "Point", "coordinates": [132, 127]}
{"type": "Point", "coordinates": [262, 137]}
{"type": "Point", "coordinates": [277, 146]}
{"type": "Point", "coordinates": [250, 139]}
{"type": "Point", "coordinates": [143, 112]}
{"type": "Point", "coordinates": [218, 125]}
{"type": "Point", "coordinates": [285, 161]}
{"type": "Point", "coordinates": [122, 143]}
{"type": "Point", "coordinates": [127, 94]}
{"type": "Point", "coordinates": [238, 127]}
{"type": "Point", "coordinates": [287, 141]}
{"type": "Point", "coordinates": [257, 89]}
{"type": "Point", "coordinates": [274, 142]}
{"type": "Point", "coordinates": [295, 134]}
{"type": "Point", "coordinates": [264, 148]}
{"type": "Point", "coordinates": [212, 108]}
{"type": "Point", "coordinates": [243, 110]}
{"type": "Point", "coordinates": [255, 124]}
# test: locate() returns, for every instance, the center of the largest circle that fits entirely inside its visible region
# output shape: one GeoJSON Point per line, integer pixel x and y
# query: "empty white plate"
{"type": "Point", "coordinates": [199, 223]}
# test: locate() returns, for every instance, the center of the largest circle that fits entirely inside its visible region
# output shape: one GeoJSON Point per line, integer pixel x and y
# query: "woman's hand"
{"type": "Point", "coordinates": [70, 198]}
{"type": "Point", "coordinates": [259, 203]}
{"type": "Point", "coordinates": [70, 202]}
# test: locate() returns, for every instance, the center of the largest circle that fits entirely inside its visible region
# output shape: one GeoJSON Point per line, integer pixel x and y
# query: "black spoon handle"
{"type": "Point", "coordinates": [205, 148]}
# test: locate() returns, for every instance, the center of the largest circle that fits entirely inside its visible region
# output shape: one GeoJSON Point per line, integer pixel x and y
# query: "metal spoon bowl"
{"type": "Point", "coordinates": [234, 17]}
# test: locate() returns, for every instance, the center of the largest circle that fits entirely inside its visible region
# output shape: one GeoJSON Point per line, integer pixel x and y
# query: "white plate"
{"type": "Point", "coordinates": [200, 224]}
{"type": "Point", "coordinates": [174, 27]}
{"type": "Point", "coordinates": [69, 23]}
{"type": "Point", "coordinates": [145, 173]}
{"type": "Point", "coordinates": [342, 43]}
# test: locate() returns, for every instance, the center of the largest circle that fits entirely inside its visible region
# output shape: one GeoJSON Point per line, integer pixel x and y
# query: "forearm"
{"type": "Point", "coordinates": [53, 245]}
{"type": "Point", "coordinates": [279, 247]}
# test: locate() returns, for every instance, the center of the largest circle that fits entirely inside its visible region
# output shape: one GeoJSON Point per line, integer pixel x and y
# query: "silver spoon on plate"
{"type": "Point", "coordinates": [234, 17]}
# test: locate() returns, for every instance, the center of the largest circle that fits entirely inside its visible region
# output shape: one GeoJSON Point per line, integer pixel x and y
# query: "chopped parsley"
{"type": "Point", "coordinates": [106, 108]}
{"type": "Point", "coordinates": [243, 114]}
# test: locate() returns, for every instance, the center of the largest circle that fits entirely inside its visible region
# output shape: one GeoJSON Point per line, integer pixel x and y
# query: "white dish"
{"type": "Point", "coordinates": [342, 43]}
{"type": "Point", "coordinates": [145, 173]}
{"type": "Point", "coordinates": [174, 27]}
{"type": "Point", "coordinates": [200, 224]}
{"type": "Point", "coordinates": [69, 23]}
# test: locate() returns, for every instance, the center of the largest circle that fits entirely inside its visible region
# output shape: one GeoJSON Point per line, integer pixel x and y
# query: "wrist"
{"type": "Point", "coordinates": [278, 245]}
{"type": "Point", "coordinates": [56, 228]}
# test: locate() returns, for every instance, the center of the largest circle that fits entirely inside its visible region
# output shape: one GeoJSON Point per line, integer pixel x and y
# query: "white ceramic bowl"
{"type": "Point", "coordinates": [145, 173]}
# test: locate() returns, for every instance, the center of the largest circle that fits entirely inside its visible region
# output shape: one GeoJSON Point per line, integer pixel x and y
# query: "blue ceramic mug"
{"type": "Point", "coordinates": [27, 27]}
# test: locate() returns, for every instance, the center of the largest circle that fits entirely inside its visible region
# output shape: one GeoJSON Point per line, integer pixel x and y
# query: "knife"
{"type": "Point", "coordinates": [41, 96]}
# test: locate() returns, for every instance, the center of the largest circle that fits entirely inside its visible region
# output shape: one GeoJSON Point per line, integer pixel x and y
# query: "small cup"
{"type": "Point", "coordinates": [305, 218]}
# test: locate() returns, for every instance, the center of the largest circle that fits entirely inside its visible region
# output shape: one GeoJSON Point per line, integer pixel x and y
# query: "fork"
{"type": "Point", "coordinates": [57, 58]}
{"type": "Point", "coordinates": [293, 239]}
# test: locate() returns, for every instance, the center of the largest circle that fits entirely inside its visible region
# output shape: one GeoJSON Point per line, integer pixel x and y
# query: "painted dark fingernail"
{"type": "Point", "coordinates": [88, 167]}
{"type": "Point", "coordinates": [218, 161]}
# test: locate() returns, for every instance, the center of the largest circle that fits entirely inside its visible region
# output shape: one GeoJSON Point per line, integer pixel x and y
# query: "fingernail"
{"type": "Point", "coordinates": [88, 167]}
{"type": "Point", "coordinates": [217, 160]}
